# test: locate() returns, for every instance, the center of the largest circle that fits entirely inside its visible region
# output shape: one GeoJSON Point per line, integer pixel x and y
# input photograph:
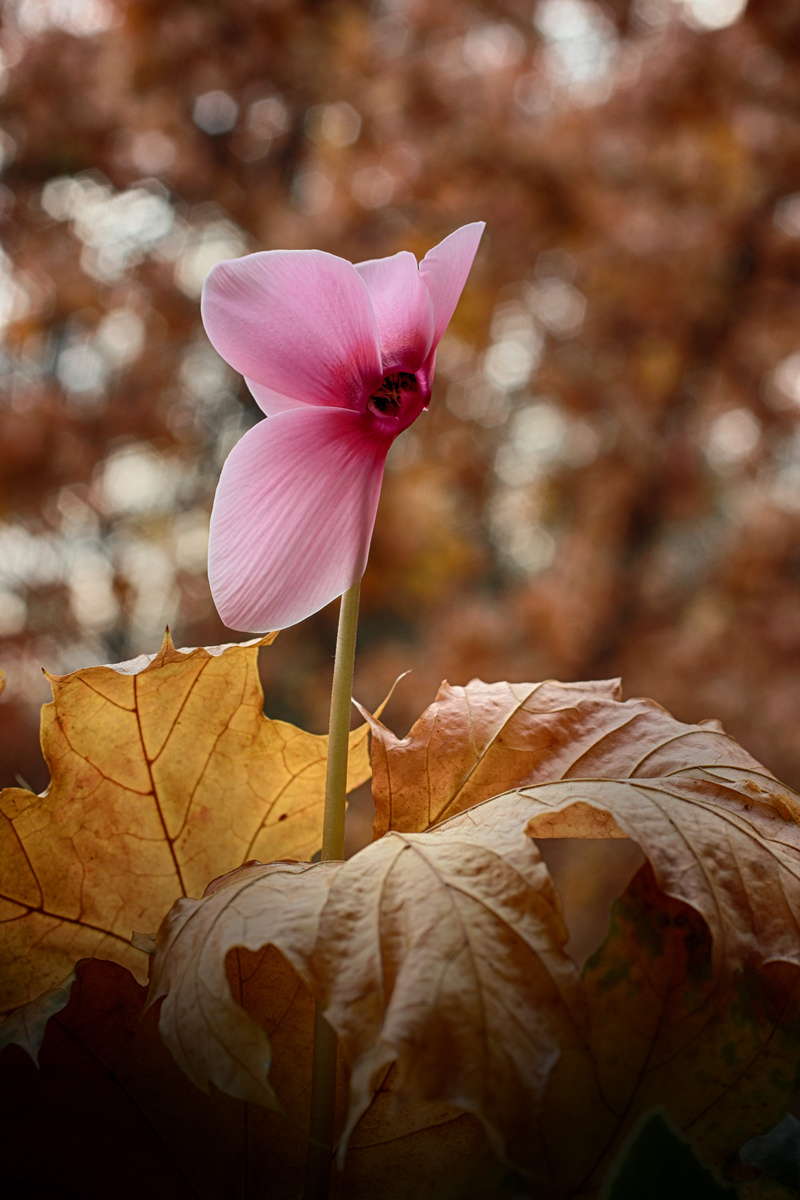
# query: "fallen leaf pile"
{"type": "Point", "coordinates": [482, 1055]}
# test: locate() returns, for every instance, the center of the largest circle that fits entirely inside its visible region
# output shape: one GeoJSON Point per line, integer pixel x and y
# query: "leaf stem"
{"type": "Point", "coordinates": [323, 1079]}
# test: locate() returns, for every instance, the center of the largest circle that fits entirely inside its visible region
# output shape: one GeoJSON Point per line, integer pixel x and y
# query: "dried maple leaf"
{"type": "Point", "coordinates": [477, 741]}
{"type": "Point", "coordinates": [106, 1082]}
{"type": "Point", "coordinates": [26, 1026]}
{"type": "Point", "coordinates": [717, 1050]}
{"type": "Point", "coordinates": [717, 839]}
{"type": "Point", "coordinates": [107, 1113]}
{"type": "Point", "coordinates": [165, 772]}
{"type": "Point", "coordinates": [440, 952]}
{"type": "Point", "coordinates": [441, 955]}
{"type": "Point", "coordinates": [253, 907]}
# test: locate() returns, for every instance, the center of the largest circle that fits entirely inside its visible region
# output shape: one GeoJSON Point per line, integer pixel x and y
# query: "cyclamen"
{"type": "Point", "coordinates": [340, 358]}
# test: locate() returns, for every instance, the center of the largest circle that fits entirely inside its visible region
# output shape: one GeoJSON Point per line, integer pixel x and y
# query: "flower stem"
{"type": "Point", "coordinates": [323, 1096]}
{"type": "Point", "coordinates": [339, 728]}
{"type": "Point", "coordinates": [323, 1079]}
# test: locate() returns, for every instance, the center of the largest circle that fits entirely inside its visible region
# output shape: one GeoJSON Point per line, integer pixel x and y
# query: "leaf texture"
{"type": "Point", "coordinates": [164, 774]}
{"type": "Point", "coordinates": [718, 840]}
{"type": "Point", "coordinates": [441, 953]}
{"type": "Point", "coordinates": [108, 1112]}
{"type": "Point", "coordinates": [440, 956]}
{"type": "Point", "coordinates": [717, 1052]}
{"type": "Point", "coordinates": [213, 1039]}
{"type": "Point", "coordinates": [477, 741]}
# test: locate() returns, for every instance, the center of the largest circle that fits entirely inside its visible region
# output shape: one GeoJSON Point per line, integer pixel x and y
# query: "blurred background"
{"type": "Point", "coordinates": [608, 480]}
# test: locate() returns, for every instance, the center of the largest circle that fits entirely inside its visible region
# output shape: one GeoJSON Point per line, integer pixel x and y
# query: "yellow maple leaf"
{"type": "Point", "coordinates": [164, 774]}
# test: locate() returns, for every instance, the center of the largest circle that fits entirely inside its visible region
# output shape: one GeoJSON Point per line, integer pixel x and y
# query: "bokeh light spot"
{"type": "Point", "coordinates": [215, 112]}
{"type": "Point", "coordinates": [712, 14]}
{"type": "Point", "coordinates": [493, 47]}
{"type": "Point", "coordinates": [337, 124]}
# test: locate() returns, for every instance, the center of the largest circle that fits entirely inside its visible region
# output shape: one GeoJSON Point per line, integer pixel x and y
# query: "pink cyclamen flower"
{"type": "Point", "coordinates": [340, 358]}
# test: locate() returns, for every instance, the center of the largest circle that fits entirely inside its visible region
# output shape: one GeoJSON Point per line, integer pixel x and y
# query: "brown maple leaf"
{"type": "Point", "coordinates": [476, 741]}
{"type": "Point", "coordinates": [108, 1113]}
{"type": "Point", "coordinates": [441, 956]}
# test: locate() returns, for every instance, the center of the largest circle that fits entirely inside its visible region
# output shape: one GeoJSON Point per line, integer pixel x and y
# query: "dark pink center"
{"type": "Point", "coordinates": [390, 398]}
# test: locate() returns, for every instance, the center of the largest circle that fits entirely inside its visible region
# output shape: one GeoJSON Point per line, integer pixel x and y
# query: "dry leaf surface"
{"type": "Point", "coordinates": [718, 1050]}
{"type": "Point", "coordinates": [108, 1112]}
{"type": "Point", "coordinates": [477, 741]}
{"type": "Point", "coordinates": [719, 840]}
{"type": "Point", "coordinates": [165, 773]}
{"type": "Point", "coordinates": [213, 1039]}
{"type": "Point", "coordinates": [440, 955]}
{"type": "Point", "coordinates": [416, 944]}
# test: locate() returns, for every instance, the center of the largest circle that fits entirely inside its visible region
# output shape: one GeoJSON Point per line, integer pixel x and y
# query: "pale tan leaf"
{"type": "Point", "coordinates": [440, 952]}
{"type": "Point", "coordinates": [146, 942]}
{"type": "Point", "coordinates": [731, 852]}
{"type": "Point", "coordinates": [211, 1036]}
{"type": "Point", "coordinates": [397, 1151]}
{"type": "Point", "coordinates": [165, 773]}
{"type": "Point", "coordinates": [230, 1013]}
{"type": "Point", "coordinates": [440, 957]}
{"type": "Point", "coordinates": [443, 953]}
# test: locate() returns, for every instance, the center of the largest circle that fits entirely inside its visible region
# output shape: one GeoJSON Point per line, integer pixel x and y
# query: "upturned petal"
{"type": "Point", "coordinates": [445, 269]}
{"type": "Point", "coordinates": [298, 322]}
{"type": "Point", "coordinates": [403, 310]}
{"type": "Point", "coordinates": [293, 516]}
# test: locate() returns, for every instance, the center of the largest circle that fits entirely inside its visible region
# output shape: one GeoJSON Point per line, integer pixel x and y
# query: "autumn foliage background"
{"type": "Point", "coordinates": [608, 481]}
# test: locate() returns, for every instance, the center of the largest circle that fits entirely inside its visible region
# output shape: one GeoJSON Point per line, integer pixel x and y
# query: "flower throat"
{"type": "Point", "coordinates": [388, 398]}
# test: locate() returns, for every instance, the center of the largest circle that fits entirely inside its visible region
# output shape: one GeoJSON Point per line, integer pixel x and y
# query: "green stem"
{"type": "Point", "coordinates": [339, 728]}
{"type": "Point", "coordinates": [323, 1080]}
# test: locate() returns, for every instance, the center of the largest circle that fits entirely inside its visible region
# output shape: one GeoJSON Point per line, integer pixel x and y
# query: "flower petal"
{"type": "Point", "coordinates": [445, 269]}
{"type": "Point", "coordinates": [298, 322]}
{"type": "Point", "coordinates": [293, 516]}
{"type": "Point", "coordinates": [271, 402]}
{"type": "Point", "coordinates": [403, 310]}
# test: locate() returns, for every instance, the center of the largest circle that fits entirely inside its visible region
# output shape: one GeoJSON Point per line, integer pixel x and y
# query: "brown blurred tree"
{"type": "Point", "coordinates": [608, 481]}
